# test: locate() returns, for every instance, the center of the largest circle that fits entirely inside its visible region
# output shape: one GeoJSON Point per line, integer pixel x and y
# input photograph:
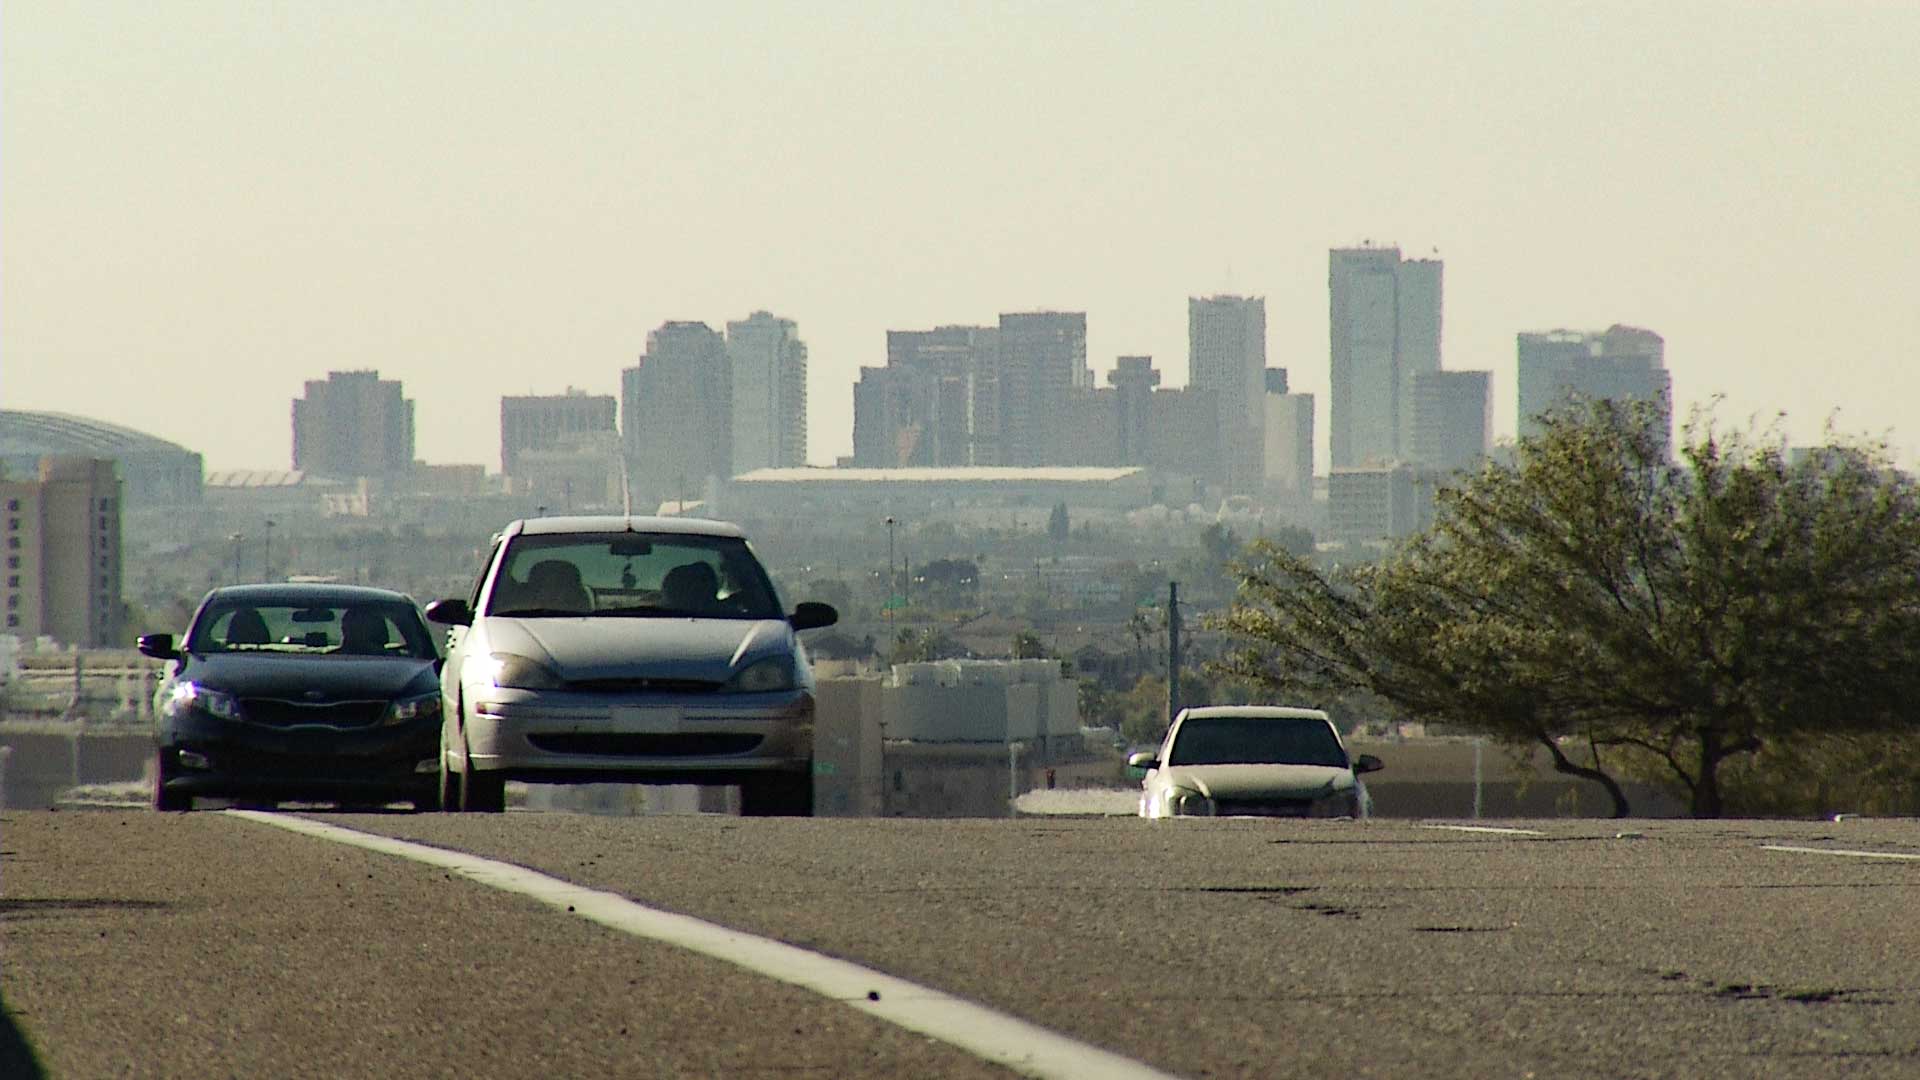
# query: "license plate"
{"type": "Point", "coordinates": [650, 721]}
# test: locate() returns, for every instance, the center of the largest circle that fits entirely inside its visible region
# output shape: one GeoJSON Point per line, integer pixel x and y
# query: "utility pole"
{"type": "Point", "coordinates": [887, 604]}
{"type": "Point", "coordinates": [1173, 651]}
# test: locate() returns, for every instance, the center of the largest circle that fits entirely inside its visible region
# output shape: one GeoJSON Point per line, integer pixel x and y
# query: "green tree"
{"type": "Point", "coordinates": [1057, 526]}
{"type": "Point", "coordinates": [1619, 609]}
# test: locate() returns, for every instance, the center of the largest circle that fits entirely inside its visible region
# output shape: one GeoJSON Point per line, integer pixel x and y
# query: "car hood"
{"type": "Point", "coordinates": [1250, 781]}
{"type": "Point", "coordinates": [616, 647]}
{"type": "Point", "coordinates": [297, 677]}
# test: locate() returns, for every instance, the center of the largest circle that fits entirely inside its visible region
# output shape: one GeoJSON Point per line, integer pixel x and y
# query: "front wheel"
{"type": "Point", "coordinates": [450, 788]}
{"type": "Point", "coordinates": [167, 802]}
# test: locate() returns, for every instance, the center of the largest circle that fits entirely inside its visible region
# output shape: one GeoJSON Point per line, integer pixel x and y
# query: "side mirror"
{"type": "Point", "coordinates": [1367, 763]}
{"type": "Point", "coordinates": [450, 613]}
{"type": "Point", "coordinates": [811, 615]}
{"type": "Point", "coordinates": [158, 646]}
{"type": "Point", "coordinates": [1142, 759]}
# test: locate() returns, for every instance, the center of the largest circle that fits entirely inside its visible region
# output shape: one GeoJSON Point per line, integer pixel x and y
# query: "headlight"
{"type": "Point", "coordinates": [519, 673]}
{"type": "Point", "coordinates": [773, 673]}
{"type": "Point", "coordinates": [1182, 802]}
{"type": "Point", "coordinates": [401, 712]}
{"type": "Point", "coordinates": [1336, 804]}
{"type": "Point", "coordinates": [192, 695]}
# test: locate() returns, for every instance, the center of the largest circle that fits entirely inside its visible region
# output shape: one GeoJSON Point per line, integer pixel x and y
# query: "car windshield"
{"type": "Point", "coordinates": [1256, 740]}
{"type": "Point", "coordinates": [303, 625]}
{"type": "Point", "coordinates": [631, 574]}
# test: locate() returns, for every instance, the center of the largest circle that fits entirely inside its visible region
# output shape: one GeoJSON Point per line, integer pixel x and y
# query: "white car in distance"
{"type": "Point", "coordinates": [1253, 761]}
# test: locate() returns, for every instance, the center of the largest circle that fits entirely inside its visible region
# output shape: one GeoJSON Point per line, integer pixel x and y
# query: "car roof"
{"type": "Point", "coordinates": [1272, 712]}
{"type": "Point", "coordinates": [308, 593]}
{"type": "Point", "coordinates": [614, 523]}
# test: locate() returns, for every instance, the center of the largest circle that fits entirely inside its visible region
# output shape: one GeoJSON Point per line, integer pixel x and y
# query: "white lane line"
{"type": "Point", "coordinates": [993, 1036]}
{"type": "Point", "coordinates": [1487, 829]}
{"type": "Point", "coordinates": [1841, 851]}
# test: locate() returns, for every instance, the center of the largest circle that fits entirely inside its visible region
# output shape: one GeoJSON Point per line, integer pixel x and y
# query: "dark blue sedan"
{"type": "Point", "coordinates": [298, 692]}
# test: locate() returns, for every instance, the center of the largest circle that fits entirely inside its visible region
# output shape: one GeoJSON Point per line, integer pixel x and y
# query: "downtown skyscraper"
{"type": "Point", "coordinates": [1384, 330]}
{"type": "Point", "coordinates": [769, 363]}
{"type": "Point", "coordinates": [676, 413]}
{"type": "Point", "coordinates": [1227, 354]}
{"type": "Point", "coordinates": [1043, 359]}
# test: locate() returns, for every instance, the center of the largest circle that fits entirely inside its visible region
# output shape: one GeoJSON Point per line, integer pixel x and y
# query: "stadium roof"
{"type": "Point", "coordinates": [45, 433]}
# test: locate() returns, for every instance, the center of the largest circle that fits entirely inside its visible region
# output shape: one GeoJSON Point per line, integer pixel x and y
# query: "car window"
{"type": "Point", "coordinates": [633, 574]}
{"type": "Point", "coordinates": [1255, 740]}
{"type": "Point", "coordinates": [300, 625]}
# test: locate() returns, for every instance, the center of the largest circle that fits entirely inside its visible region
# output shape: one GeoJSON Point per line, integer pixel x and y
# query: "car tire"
{"type": "Point", "coordinates": [485, 792]}
{"type": "Point", "coordinates": [449, 789]}
{"type": "Point", "coordinates": [167, 802]}
{"type": "Point", "coordinates": [778, 795]}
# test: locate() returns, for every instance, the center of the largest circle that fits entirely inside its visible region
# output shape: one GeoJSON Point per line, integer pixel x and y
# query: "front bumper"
{"type": "Point", "coordinates": [204, 756]}
{"type": "Point", "coordinates": [695, 738]}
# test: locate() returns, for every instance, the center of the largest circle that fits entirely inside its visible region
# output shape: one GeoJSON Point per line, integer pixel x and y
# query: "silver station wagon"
{"type": "Point", "coordinates": [646, 650]}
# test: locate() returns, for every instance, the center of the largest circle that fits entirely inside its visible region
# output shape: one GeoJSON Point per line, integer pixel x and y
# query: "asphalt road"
{"type": "Point", "coordinates": [206, 944]}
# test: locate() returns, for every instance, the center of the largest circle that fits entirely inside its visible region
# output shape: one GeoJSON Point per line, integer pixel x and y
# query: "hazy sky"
{"type": "Point", "coordinates": [204, 205]}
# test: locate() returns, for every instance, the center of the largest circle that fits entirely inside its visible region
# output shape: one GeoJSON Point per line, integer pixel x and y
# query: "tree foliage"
{"type": "Point", "coordinates": [1619, 608]}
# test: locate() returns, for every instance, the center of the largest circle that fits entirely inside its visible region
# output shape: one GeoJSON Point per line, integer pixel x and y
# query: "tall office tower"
{"type": "Point", "coordinates": [1134, 378]}
{"type": "Point", "coordinates": [1619, 363]}
{"type": "Point", "coordinates": [1227, 353]}
{"type": "Point", "coordinates": [1452, 419]}
{"type": "Point", "coordinates": [1185, 431]}
{"type": "Point", "coordinates": [769, 393]}
{"type": "Point", "coordinates": [896, 419]}
{"type": "Point", "coordinates": [1043, 356]}
{"type": "Point", "coordinates": [354, 424]}
{"type": "Point", "coordinates": [1288, 442]}
{"type": "Point", "coordinates": [957, 361]}
{"type": "Point", "coordinates": [540, 422]}
{"type": "Point", "coordinates": [1384, 328]}
{"type": "Point", "coordinates": [676, 413]}
{"type": "Point", "coordinates": [63, 553]}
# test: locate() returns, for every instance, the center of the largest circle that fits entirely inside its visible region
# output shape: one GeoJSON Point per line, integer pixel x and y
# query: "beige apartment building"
{"type": "Point", "coordinates": [62, 537]}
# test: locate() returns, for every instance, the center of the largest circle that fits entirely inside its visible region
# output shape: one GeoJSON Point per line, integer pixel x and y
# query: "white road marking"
{"type": "Point", "coordinates": [988, 1034]}
{"type": "Point", "coordinates": [1841, 851]}
{"type": "Point", "coordinates": [1487, 829]}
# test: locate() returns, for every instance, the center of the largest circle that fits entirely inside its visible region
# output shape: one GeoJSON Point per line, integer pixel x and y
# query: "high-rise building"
{"type": "Point", "coordinates": [1043, 357]}
{"type": "Point", "coordinates": [1227, 354]}
{"type": "Point", "coordinates": [1134, 378]}
{"type": "Point", "coordinates": [676, 413]}
{"type": "Point", "coordinates": [769, 393]}
{"type": "Point", "coordinates": [353, 424]}
{"type": "Point", "coordinates": [62, 535]}
{"type": "Point", "coordinates": [923, 410]}
{"type": "Point", "coordinates": [1288, 442]}
{"type": "Point", "coordinates": [1452, 415]}
{"type": "Point", "coordinates": [1623, 363]}
{"type": "Point", "coordinates": [907, 417]}
{"type": "Point", "coordinates": [540, 422]}
{"type": "Point", "coordinates": [1384, 328]}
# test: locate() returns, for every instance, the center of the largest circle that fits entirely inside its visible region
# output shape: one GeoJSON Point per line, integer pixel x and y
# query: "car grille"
{"type": "Point", "coordinates": [273, 712]}
{"type": "Point", "coordinates": [1263, 807]}
{"type": "Point", "coordinates": [642, 686]}
{"type": "Point", "coordinates": [646, 745]}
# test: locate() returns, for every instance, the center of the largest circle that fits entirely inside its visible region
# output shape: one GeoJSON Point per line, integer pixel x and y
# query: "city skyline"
{"type": "Point", "coordinates": [210, 204]}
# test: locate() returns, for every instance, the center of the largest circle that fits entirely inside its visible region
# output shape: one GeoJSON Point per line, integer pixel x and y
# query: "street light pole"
{"type": "Point", "coordinates": [887, 604]}
{"type": "Point", "coordinates": [237, 538]}
{"type": "Point", "coordinates": [1173, 651]}
{"type": "Point", "coordinates": [266, 555]}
